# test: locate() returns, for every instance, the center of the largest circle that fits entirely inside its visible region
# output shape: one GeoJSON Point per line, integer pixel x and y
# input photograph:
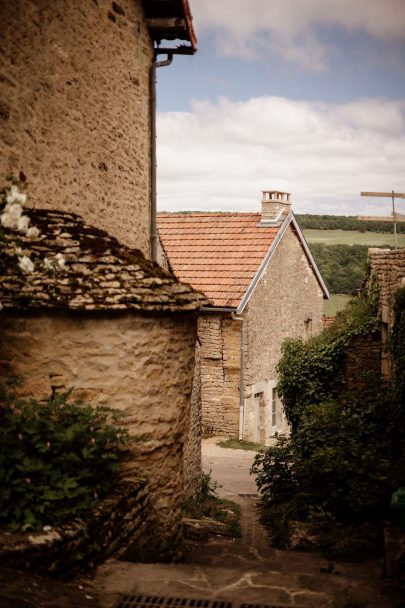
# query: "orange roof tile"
{"type": "Point", "coordinates": [217, 253]}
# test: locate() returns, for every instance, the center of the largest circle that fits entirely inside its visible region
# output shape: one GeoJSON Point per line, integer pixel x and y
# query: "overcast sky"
{"type": "Point", "coordinates": [305, 96]}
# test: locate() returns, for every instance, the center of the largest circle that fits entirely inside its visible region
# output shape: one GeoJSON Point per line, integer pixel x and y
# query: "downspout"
{"type": "Point", "coordinates": [241, 379]}
{"type": "Point", "coordinates": [153, 205]}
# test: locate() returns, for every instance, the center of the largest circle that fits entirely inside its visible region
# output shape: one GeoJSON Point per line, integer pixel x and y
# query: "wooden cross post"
{"type": "Point", "coordinates": [391, 195]}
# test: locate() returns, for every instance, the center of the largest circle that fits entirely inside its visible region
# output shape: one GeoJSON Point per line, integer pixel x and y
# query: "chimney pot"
{"type": "Point", "coordinates": [275, 206]}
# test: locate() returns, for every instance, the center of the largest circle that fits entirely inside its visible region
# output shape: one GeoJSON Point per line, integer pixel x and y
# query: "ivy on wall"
{"type": "Point", "coordinates": [346, 453]}
{"type": "Point", "coordinates": [311, 372]}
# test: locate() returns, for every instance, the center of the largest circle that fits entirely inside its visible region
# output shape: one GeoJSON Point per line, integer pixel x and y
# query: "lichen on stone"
{"type": "Point", "coordinates": [74, 265]}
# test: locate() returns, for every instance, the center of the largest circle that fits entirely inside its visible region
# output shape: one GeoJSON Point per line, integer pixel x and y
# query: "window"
{"type": "Point", "coordinates": [273, 407]}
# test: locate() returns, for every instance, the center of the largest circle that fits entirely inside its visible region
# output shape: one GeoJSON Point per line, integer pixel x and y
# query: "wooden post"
{"type": "Point", "coordinates": [392, 195]}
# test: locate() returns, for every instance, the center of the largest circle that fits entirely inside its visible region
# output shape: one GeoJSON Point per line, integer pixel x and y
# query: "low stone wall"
{"type": "Point", "coordinates": [119, 526]}
{"type": "Point", "coordinates": [140, 365]}
{"type": "Point", "coordinates": [362, 371]}
{"type": "Point", "coordinates": [389, 267]}
{"type": "Point", "coordinates": [192, 445]}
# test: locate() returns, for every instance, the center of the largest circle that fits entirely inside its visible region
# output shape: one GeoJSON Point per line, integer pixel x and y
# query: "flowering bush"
{"type": "Point", "coordinates": [56, 458]}
{"type": "Point", "coordinates": [12, 218]}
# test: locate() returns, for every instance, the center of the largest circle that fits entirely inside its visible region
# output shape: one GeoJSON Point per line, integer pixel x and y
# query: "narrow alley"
{"type": "Point", "coordinates": [246, 570]}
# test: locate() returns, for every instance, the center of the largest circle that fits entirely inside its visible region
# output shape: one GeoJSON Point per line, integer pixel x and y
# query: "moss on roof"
{"type": "Point", "coordinates": [99, 273]}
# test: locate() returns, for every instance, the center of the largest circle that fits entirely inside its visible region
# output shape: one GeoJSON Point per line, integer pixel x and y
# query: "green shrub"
{"type": "Point", "coordinates": [346, 453]}
{"type": "Point", "coordinates": [341, 465]}
{"type": "Point", "coordinates": [207, 504]}
{"type": "Point", "coordinates": [311, 372]}
{"type": "Point", "coordinates": [208, 487]}
{"type": "Point", "coordinates": [56, 458]}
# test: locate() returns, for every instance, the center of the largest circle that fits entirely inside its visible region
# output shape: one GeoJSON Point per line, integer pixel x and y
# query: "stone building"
{"type": "Point", "coordinates": [118, 330]}
{"type": "Point", "coordinates": [264, 286]}
{"type": "Point", "coordinates": [77, 117]}
{"type": "Point", "coordinates": [76, 112]}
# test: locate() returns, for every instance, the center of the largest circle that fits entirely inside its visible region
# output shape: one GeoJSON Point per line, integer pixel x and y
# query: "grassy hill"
{"type": "Point", "coordinates": [340, 251]}
{"type": "Point", "coordinates": [352, 237]}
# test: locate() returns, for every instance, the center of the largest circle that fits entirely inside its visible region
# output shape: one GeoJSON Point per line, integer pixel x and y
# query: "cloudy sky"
{"type": "Point", "coordinates": [304, 96]}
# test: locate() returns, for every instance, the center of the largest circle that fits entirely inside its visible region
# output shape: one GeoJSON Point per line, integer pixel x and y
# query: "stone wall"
{"type": "Point", "coordinates": [219, 337]}
{"type": "Point", "coordinates": [118, 527]}
{"type": "Point", "coordinates": [362, 372]}
{"type": "Point", "coordinates": [192, 445]}
{"type": "Point", "coordinates": [389, 267]}
{"type": "Point", "coordinates": [74, 109]}
{"type": "Point", "coordinates": [141, 365]}
{"type": "Point", "coordinates": [286, 303]}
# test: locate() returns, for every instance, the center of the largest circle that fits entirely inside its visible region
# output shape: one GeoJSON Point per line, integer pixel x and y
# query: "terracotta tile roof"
{"type": "Point", "coordinates": [217, 253]}
{"type": "Point", "coordinates": [100, 273]}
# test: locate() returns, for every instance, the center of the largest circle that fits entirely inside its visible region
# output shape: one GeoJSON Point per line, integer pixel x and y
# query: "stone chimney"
{"type": "Point", "coordinates": [275, 207]}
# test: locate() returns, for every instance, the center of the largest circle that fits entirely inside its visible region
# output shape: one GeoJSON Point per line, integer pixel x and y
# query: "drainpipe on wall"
{"type": "Point", "coordinates": [153, 205]}
{"type": "Point", "coordinates": [241, 379]}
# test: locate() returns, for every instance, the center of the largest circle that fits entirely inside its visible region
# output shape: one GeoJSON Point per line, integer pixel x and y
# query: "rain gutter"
{"type": "Point", "coordinates": [241, 377]}
{"type": "Point", "coordinates": [152, 102]}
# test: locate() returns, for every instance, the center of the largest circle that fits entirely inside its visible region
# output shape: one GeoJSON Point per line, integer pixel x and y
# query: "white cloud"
{"type": "Point", "coordinates": [249, 28]}
{"type": "Point", "coordinates": [221, 155]}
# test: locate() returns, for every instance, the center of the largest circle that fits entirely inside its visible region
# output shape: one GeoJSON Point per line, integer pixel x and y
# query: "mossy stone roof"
{"type": "Point", "coordinates": [99, 274]}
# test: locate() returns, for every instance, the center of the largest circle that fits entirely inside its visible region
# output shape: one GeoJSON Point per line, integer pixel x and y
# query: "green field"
{"type": "Point", "coordinates": [350, 237]}
{"type": "Point", "coordinates": [337, 302]}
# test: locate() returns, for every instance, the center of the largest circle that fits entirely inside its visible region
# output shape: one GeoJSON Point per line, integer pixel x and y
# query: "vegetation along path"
{"type": "Point", "coordinates": [247, 569]}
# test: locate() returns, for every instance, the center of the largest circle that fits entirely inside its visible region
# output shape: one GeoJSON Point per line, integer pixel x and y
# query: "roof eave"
{"type": "Point", "coordinates": [290, 219]}
{"type": "Point", "coordinates": [174, 23]}
{"type": "Point", "coordinates": [310, 257]}
{"type": "Point", "coordinates": [218, 308]}
{"type": "Point", "coordinates": [266, 259]}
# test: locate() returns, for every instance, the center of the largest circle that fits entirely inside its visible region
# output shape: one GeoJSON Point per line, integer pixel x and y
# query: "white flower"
{"type": "Point", "coordinates": [60, 260]}
{"type": "Point", "coordinates": [25, 264]}
{"type": "Point", "coordinates": [32, 233]}
{"type": "Point", "coordinates": [16, 196]}
{"type": "Point", "coordinates": [18, 251]}
{"type": "Point", "coordinates": [8, 221]}
{"type": "Point", "coordinates": [11, 215]}
{"type": "Point", "coordinates": [48, 264]}
{"type": "Point", "coordinates": [14, 209]}
{"type": "Point", "coordinates": [23, 223]}
{"type": "Point", "coordinates": [22, 198]}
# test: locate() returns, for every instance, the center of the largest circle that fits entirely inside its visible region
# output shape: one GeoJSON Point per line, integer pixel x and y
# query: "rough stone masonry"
{"type": "Point", "coordinates": [74, 109]}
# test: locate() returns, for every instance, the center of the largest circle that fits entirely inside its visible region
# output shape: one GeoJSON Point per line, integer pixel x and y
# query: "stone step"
{"type": "Point", "coordinates": [238, 585]}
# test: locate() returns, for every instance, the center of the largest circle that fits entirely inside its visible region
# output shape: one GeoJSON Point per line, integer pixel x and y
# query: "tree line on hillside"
{"type": "Point", "coordinates": [344, 222]}
{"type": "Point", "coordinates": [343, 267]}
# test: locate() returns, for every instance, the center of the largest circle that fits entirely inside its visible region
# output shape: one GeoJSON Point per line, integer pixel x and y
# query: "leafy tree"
{"type": "Point", "coordinates": [345, 222]}
{"type": "Point", "coordinates": [344, 267]}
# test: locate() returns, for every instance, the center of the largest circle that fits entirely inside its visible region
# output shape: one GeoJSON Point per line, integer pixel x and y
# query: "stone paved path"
{"type": "Point", "coordinates": [248, 569]}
